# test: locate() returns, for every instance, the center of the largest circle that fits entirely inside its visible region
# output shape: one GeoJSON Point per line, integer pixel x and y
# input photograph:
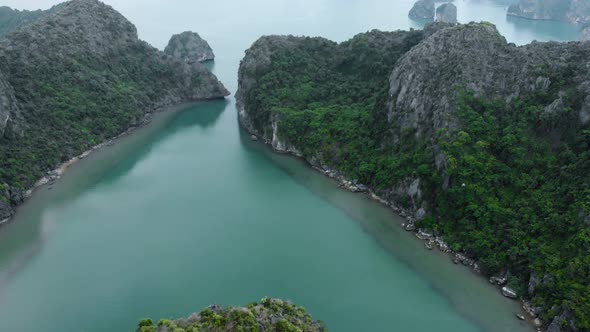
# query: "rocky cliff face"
{"type": "Point", "coordinates": [76, 77]}
{"type": "Point", "coordinates": [425, 82]}
{"type": "Point", "coordinates": [573, 11]}
{"type": "Point", "coordinates": [258, 61]}
{"type": "Point", "coordinates": [331, 110]}
{"type": "Point", "coordinates": [189, 47]}
{"type": "Point", "coordinates": [269, 315]}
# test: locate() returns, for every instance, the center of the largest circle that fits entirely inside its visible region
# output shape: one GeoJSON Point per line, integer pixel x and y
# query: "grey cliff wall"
{"type": "Point", "coordinates": [189, 47]}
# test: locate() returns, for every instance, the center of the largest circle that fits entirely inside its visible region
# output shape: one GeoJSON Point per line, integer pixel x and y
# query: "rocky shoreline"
{"type": "Point", "coordinates": [431, 241]}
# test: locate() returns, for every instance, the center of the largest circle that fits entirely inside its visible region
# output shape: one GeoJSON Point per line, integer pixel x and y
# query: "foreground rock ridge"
{"type": "Point", "coordinates": [190, 47]}
{"type": "Point", "coordinates": [484, 146]}
{"type": "Point", "coordinates": [268, 315]}
{"type": "Point", "coordinates": [74, 78]}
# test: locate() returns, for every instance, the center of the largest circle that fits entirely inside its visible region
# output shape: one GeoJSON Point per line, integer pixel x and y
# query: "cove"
{"type": "Point", "coordinates": [188, 211]}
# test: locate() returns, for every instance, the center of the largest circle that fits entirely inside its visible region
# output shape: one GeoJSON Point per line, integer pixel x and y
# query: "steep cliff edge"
{"type": "Point", "coordinates": [482, 142]}
{"type": "Point", "coordinates": [573, 11]}
{"type": "Point", "coordinates": [268, 315]}
{"type": "Point", "coordinates": [425, 83]}
{"type": "Point", "coordinates": [76, 77]}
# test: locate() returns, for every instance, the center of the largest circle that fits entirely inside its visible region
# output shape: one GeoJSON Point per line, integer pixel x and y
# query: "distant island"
{"type": "Point", "coordinates": [422, 10]}
{"type": "Point", "coordinates": [426, 10]}
{"type": "Point", "coordinates": [572, 11]}
{"type": "Point", "coordinates": [446, 13]}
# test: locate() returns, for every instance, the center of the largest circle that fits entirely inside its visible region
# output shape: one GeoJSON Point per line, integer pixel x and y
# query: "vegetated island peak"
{"type": "Point", "coordinates": [73, 78]}
{"type": "Point", "coordinates": [483, 145]}
{"type": "Point", "coordinates": [269, 315]}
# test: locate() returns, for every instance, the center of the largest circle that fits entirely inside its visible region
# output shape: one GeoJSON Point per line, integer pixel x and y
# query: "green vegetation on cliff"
{"type": "Point", "coordinates": [269, 315]}
{"type": "Point", "coordinates": [517, 200]}
{"type": "Point", "coordinates": [77, 77]}
{"type": "Point", "coordinates": [512, 190]}
{"type": "Point", "coordinates": [331, 104]}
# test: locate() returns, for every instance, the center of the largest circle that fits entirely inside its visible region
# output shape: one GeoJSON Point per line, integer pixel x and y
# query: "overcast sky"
{"type": "Point", "coordinates": [143, 13]}
{"type": "Point", "coordinates": [45, 4]}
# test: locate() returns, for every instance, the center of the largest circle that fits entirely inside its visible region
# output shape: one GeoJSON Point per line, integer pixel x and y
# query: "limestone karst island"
{"type": "Point", "coordinates": [295, 166]}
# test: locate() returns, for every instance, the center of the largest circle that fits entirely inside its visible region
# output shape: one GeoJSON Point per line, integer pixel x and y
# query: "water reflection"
{"type": "Point", "coordinates": [204, 115]}
{"type": "Point", "coordinates": [25, 239]}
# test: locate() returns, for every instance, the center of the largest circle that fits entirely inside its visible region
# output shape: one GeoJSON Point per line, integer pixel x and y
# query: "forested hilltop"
{"type": "Point", "coordinates": [75, 77]}
{"type": "Point", "coordinates": [268, 315]}
{"type": "Point", "coordinates": [484, 142]}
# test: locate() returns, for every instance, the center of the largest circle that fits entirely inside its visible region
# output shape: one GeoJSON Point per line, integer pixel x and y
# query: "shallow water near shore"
{"type": "Point", "coordinates": [189, 211]}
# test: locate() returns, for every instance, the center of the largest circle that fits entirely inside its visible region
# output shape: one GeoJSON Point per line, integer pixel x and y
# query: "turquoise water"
{"type": "Point", "coordinates": [189, 211]}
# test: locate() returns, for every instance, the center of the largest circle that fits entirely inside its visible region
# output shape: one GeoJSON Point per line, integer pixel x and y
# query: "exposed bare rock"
{"type": "Point", "coordinates": [426, 80]}
{"type": "Point", "coordinates": [77, 76]}
{"type": "Point", "coordinates": [189, 47]}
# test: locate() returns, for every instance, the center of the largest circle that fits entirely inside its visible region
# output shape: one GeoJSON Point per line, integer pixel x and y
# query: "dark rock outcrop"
{"type": "Point", "coordinates": [446, 13]}
{"type": "Point", "coordinates": [573, 11]}
{"type": "Point", "coordinates": [189, 47]}
{"type": "Point", "coordinates": [77, 77]}
{"type": "Point", "coordinates": [563, 322]}
{"type": "Point", "coordinates": [422, 10]}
